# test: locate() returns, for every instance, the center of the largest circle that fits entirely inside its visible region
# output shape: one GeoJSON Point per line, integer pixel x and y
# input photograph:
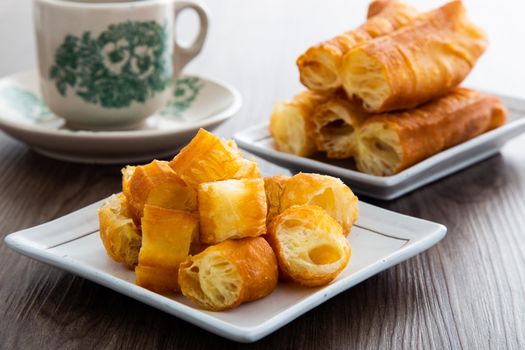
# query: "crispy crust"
{"type": "Point", "coordinates": [290, 123]}
{"type": "Point", "coordinates": [274, 187]}
{"type": "Point", "coordinates": [208, 158]}
{"type": "Point", "coordinates": [157, 279]}
{"type": "Point", "coordinates": [318, 66]}
{"type": "Point", "coordinates": [411, 136]}
{"type": "Point", "coordinates": [309, 244]}
{"type": "Point", "coordinates": [127, 173]}
{"type": "Point", "coordinates": [156, 184]}
{"type": "Point", "coordinates": [167, 235]}
{"type": "Point", "coordinates": [231, 209]}
{"type": "Point", "coordinates": [119, 234]}
{"type": "Point", "coordinates": [420, 61]}
{"type": "Point", "coordinates": [334, 126]}
{"type": "Point", "coordinates": [328, 192]}
{"type": "Point", "coordinates": [245, 270]}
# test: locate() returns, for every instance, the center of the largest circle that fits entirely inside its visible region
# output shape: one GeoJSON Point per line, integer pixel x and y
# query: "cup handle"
{"type": "Point", "coordinates": [182, 55]}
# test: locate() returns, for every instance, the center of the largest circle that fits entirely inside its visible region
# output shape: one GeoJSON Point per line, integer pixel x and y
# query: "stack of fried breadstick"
{"type": "Point", "coordinates": [386, 93]}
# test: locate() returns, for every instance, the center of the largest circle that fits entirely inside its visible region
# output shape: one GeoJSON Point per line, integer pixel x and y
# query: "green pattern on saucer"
{"type": "Point", "coordinates": [128, 62]}
{"type": "Point", "coordinates": [186, 91]}
{"type": "Point", "coordinates": [26, 103]}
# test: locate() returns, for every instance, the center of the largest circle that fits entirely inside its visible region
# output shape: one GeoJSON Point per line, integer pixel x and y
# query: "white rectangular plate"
{"type": "Point", "coordinates": [379, 240]}
{"type": "Point", "coordinates": [257, 140]}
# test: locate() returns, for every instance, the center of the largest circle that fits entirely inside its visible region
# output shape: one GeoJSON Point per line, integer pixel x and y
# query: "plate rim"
{"type": "Point", "coordinates": [415, 244]}
{"type": "Point", "coordinates": [88, 159]}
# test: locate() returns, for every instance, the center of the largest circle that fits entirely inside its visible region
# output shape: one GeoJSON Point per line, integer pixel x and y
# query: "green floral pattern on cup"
{"type": "Point", "coordinates": [128, 62]}
{"type": "Point", "coordinates": [26, 103]}
{"type": "Point", "coordinates": [186, 91]}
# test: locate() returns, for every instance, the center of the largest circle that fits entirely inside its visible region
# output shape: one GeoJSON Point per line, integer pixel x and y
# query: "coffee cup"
{"type": "Point", "coordinates": [110, 64]}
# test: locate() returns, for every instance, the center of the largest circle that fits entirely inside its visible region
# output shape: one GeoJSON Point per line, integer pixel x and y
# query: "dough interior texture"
{"type": "Point", "coordinates": [290, 123]}
{"type": "Point", "coordinates": [327, 192]}
{"type": "Point", "coordinates": [366, 80]}
{"type": "Point", "coordinates": [310, 245]}
{"type": "Point", "coordinates": [334, 126]}
{"type": "Point", "coordinates": [120, 237]}
{"type": "Point", "coordinates": [232, 209]}
{"type": "Point", "coordinates": [289, 130]}
{"type": "Point", "coordinates": [229, 273]}
{"type": "Point", "coordinates": [319, 67]}
{"type": "Point", "coordinates": [380, 151]}
{"type": "Point", "coordinates": [215, 280]}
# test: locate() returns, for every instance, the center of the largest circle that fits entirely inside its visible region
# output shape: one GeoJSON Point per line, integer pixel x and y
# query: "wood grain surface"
{"type": "Point", "coordinates": [466, 292]}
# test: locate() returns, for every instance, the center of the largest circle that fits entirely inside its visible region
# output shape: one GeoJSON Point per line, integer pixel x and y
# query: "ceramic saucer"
{"type": "Point", "coordinates": [197, 102]}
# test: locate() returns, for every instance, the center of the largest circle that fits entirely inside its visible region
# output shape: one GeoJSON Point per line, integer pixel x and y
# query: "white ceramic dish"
{"type": "Point", "coordinates": [380, 239]}
{"type": "Point", "coordinates": [257, 140]}
{"type": "Point", "coordinates": [198, 102]}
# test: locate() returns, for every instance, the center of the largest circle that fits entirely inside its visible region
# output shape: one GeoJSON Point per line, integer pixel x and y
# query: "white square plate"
{"type": "Point", "coordinates": [257, 140]}
{"type": "Point", "coordinates": [379, 240]}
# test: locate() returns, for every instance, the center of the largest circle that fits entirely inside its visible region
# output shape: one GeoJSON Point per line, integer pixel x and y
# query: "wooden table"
{"type": "Point", "coordinates": [466, 292]}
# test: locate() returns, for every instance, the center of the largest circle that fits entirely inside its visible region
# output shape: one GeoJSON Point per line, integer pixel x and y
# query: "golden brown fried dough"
{"type": "Point", "coordinates": [157, 184]}
{"type": "Point", "coordinates": [274, 188]}
{"type": "Point", "coordinates": [167, 235]}
{"type": "Point", "coordinates": [334, 126]}
{"type": "Point", "coordinates": [119, 234]}
{"type": "Point", "coordinates": [290, 123]}
{"type": "Point", "coordinates": [319, 65]}
{"type": "Point", "coordinates": [229, 273]}
{"type": "Point", "coordinates": [232, 209]}
{"type": "Point", "coordinates": [127, 173]}
{"type": "Point", "coordinates": [310, 246]}
{"type": "Point", "coordinates": [418, 62]}
{"type": "Point", "coordinates": [391, 142]}
{"type": "Point", "coordinates": [208, 158]}
{"type": "Point", "coordinates": [327, 192]}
